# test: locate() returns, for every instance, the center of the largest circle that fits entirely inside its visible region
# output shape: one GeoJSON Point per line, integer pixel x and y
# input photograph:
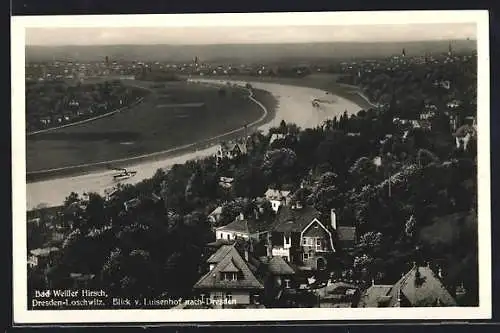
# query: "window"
{"type": "Point", "coordinates": [318, 241]}
{"type": "Point", "coordinates": [287, 240]}
{"type": "Point", "coordinates": [308, 241]}
{"type": "Point", "coordinates": [305, 256]}
{"type": "Point", "coordinates": [228, 236]}
{"type": "Point", "coordinates": [231, 276]}
{"type": "Point", "coordinates": [229, 297]}
{"type": "Point", "coordinates": [285, 258]}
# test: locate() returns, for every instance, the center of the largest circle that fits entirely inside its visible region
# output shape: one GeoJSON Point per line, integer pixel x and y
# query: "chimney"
{"type": "Point", "coordinates": [333, 219]}
{"type": "Point", "coordinates": [246, 254]}
{"type": "Point", "coordinates": [242, 216]}
{"type": "Point", "coordinates": [298, 204]}
{"type": "Point", "coordinates": [373, 282]}
{"type": "Point", "coordinates": [256, 213]}
{"type": "Point", "coordinates": [440, 273]}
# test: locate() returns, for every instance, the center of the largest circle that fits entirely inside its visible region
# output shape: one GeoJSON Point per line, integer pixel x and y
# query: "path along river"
{"type": "Point", "coordinates": [294, 105]}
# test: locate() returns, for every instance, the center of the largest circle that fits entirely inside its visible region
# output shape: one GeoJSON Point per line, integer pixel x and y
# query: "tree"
{"type": "Point", "coordinates": [95, 212]}
{"type": "Point", "coordinates": [370, 242]}
{"type": "Point", "coordinates": [278, 164]}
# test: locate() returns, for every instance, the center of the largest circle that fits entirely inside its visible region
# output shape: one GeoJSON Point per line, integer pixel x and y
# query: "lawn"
{"type": "Point", "coordinates": [177, 114]}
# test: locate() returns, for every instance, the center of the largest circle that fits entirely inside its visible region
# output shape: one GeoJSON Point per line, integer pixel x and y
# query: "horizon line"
{"type": "Point", "coordinates": [262, 43]}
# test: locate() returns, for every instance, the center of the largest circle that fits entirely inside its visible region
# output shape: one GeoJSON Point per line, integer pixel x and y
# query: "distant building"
{"type": "Point", "coordinates": [42, 257]}
{"type": "Point", "coordinates": [463, 135]}
{"type": "Point", "coordinates": [276, 136]}
{"type": "Point", "coordinates": [130, 204]}
{"type": "Point", "coordinates": [251, 227]}
{"type": "Point", "coordinates": [420, 287]}
{"type": "Point", "coordinates": [231, 150]}
{"type": "Point", "coordinates": [277, 198]}
{"type": "Point", "coordinates": [214, 216]}
{"type": "Point", "coordinates": [226, 182]}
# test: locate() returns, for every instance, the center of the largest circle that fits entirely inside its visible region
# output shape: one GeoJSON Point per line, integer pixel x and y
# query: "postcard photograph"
{"type": "Point", "coordinates": [243, 167]}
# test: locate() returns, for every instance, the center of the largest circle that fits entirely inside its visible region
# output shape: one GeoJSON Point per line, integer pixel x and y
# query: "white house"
{"type": "Point", "coordinates": [277, 198]}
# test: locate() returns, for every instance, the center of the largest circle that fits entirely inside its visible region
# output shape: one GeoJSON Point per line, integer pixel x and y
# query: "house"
{"type": "Point", "coordinates": [226, 182]}
{"type": "Point", "coordinates": [276, 136]}
{"type": "Point", "coordinates": [420, 287]}
{"type": "Point", "coordinates": [132, 203]}
{"type": "Point", "coordinates": [463, 135]}
{"type": "Point", "coordinates": [214, 216]}
{"type": "Point", "coordinates": [279, 278]}
{"type": "Point", "coordinates": [299, 237]}
{"type": "Point", "coordinates": [231, 280]}
{"type": "Point", "coordinates": [277, 198]}
{"type": "Point", "coordinates": [429, 114]}
{"type": "Point", "coordinates": [81, 280]}
{"type": "Point", "coordinates": [42, 257]}
{"type": "Point", "coordinates": [454, 104]}
{"type": "Point", "coordinates": [231, 150]}
{"type": "Point", "coordinates": [243, 227]}
{"type": "Point", "coordinates": [338, 294]}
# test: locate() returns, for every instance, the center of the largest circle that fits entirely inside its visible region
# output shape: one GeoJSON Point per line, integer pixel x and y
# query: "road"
{"type": "Point", "coordinates": [294, 105]}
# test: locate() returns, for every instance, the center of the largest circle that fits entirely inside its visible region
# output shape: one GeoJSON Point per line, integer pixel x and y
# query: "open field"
{"type": "Point", "coordinates": [175, 115]}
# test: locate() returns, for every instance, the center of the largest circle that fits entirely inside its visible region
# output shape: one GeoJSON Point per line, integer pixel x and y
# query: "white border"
{"type": "Point", "coordinates": [18, 24]}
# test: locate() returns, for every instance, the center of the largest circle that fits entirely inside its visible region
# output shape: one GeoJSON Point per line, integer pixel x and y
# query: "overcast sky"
{"type": "Point", "coordinates": [240, 35]}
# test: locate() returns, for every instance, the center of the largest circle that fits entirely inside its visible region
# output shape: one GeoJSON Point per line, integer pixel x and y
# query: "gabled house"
{"type": "Point", "coordinates": [231, 280]}
{"type": "Point", "coordinates": [231, 150]}
{"type": "Point", "coordinates": [276, 136]}
{"type": "Point", "coordinates": [463, 135]}
{"type": "Point", "coordinates": [226, 182]}
{"type": "Point", "coordinates": [279, 278]}
{"type": "Point", "coordinates": [42, 257]}
{"type": "Point", "coordinates": [420, 287]}
{"type": "Point", "coordinates": [300, 237]}
{"type": "Point", "coordinates": [277, 198]}
{"type": "Point", "coordinates": [214, 216]}
{"type": "Point", "coordinates": [251, 227]}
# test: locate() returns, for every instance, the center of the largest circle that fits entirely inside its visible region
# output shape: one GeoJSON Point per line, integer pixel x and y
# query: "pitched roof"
{"type": "Point", "coordinates": [217, 211]}
{"type": "Point", "coordinates": [372, 297]}
{"type": "Point", "coordinates": [44, 252]}
{"type": "Point", "coordinates": [219, 255]}
{"type": "Point", "coordinates": [427, 293]}
{"type": "Point", "coordinates": [278, 266]}
{"type": "Point", "coordinates": [247, 225]}
{"type": "Point", "coordinates": [230, 267]}
{"type": "Point", "coordinates": [346, 236]}
{"type": "Point", "coordinates": [295, 220]}
{"type": "Point", "coordinates": [464, 130]}
{"type": "Point", "coordinates": [229, 255]}
{"type": "Point", "coordinates": [273, 194]}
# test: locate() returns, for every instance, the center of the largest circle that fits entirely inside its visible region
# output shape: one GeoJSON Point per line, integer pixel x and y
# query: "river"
{"type": "Point", "coordinates": [294, 105]}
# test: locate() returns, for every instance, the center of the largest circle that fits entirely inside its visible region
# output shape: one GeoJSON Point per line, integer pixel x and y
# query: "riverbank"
{"type": "Point", "coordinates": [293, 105]}
{"type": "Point", "coordinates": [325, 82]}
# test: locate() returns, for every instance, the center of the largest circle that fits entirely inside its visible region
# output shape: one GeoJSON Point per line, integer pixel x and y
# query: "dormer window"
{"type": "Point", "coordinates": [229, 276]}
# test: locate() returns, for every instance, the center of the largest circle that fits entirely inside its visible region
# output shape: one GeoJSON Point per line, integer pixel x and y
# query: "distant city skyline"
{"type": "Point", "coordinates": [209, 35]}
